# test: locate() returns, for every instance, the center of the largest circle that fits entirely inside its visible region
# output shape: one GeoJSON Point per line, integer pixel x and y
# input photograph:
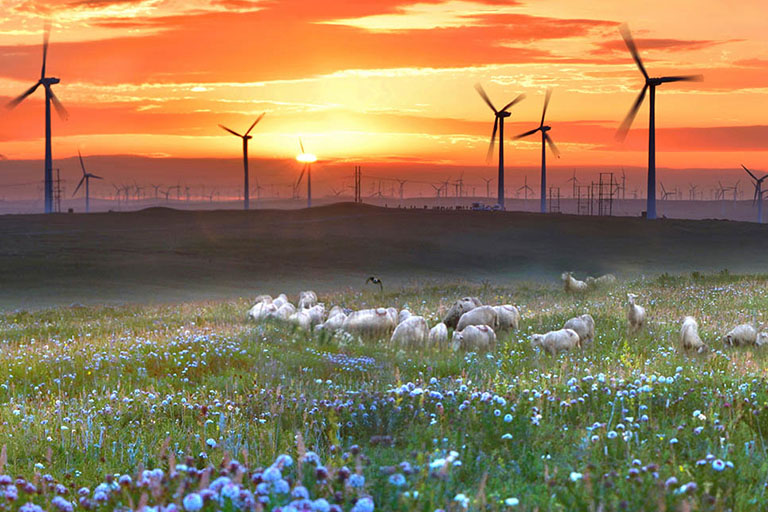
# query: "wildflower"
{"type": "Point", "coordinates": [575, 477]}
{"type": "Point", "coordinates": [462, 500]}
{"type": "Point", "coordinates": [363, 505]}
{"type": "Point", "coordinates": [356, 481]}
{"type": "Point", "coordinates": [511, 502]}
{"type": "Point", "coordinates": [211, 442]}
{"type": "Point", "coordinates": [321, 505]}
{"type": "Point", "coordinates": [192, 502]}
{"type": "Point", "coordinates": [612, 434]}
{"type": "Point", "coordinates": [398, 480]}
{"type": "Point", "coordinates": [718, 465]}
{"type": "Point", "coordinates": [508, 418]}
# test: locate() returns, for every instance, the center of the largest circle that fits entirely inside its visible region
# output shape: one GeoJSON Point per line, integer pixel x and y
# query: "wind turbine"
{"type": "Point", "coordinates": [307, 159]}
{"type": "Point", "coordinates": [246, 138]}
{"type": "Point", "coordinates": [758, 193]}
{"type": "Point", "coordinates": [545, 139]}
{"type": "Point", "coordinates": [87, 179]}
{"type": "Point", "coordinates": [525, 188]}
{"type": "Point", "coordinates": [50, 97]}
{"type": "Point", "coordinates": [650, 83]}
{"type": "Point", "coordinates": [664, 193]}
{"type": "Point", "coordinates": [498, 125]}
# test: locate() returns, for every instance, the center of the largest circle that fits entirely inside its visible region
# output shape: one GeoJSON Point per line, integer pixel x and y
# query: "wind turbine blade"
{"type": "Point", "coordinates": [301, 145]}
{"type": "Point", "coordinates": [489, 155]}
{"type": "Point", "coordinates": [96, 177]}
{"type": "Point", "coordinates": [546, 104]}
{"type": "Point", "coordinates": [46, 37]}
{"type": "Point", "coordinates": [630, 42]}
{"type": "Point", "coordinates": [57, 105]}
{"type": "Point", "coordinates": [754, 199]}
{"type": "Point", "coordinates": [82, 165]}
{"type": "Point", "coordinates": [254, 124]}
{"type": "Point", "coordinates": [552, 145]}
{"type": "Point", "coordinates": [514, 102]}
{"type": "Point", "coordinates": [301, 176]}
{"type": "Point", "coordinates": [78, 186]}
{"type": "Point", "coordinates": [621, 134]}
{"type": "Point", "coordinates": [233, 132]}
{"type": "Point", "coordinates": [683, 78]}
{"type": "Point", "coordinates": [749, 172]}
{"type": "Point", "coordinates": [481, 92]}
{"type": "Point", "coordinates": [529, 132]}
{"type": "Point", "coordinates": [12, 104]}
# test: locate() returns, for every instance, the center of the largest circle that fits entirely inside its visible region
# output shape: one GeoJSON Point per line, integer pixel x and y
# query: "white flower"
{"type": "Point", "coordinates": [575, 477]}
{"type": "Point", "coordinates": [511, 502]}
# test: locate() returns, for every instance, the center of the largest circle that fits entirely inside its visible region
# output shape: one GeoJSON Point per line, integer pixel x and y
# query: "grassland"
{"type": "Point", "coordinates": [92, 394]}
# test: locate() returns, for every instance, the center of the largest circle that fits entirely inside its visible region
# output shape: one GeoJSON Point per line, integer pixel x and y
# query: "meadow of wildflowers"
{"type": "Point", "coordinates": [190, 407]}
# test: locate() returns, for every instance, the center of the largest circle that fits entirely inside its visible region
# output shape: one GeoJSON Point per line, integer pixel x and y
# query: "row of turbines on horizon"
{"type": "Point", "coordinates": [307, 159]}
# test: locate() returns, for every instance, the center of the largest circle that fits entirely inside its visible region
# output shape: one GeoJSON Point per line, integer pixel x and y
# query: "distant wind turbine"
{"type": "Point", "coordinates": [50, 97]}
{"type": "Point", "coordinates": [758, 193]}
{"type": "Point", "coordinates": [87, 179]}
{"type": "Point", "coordinates": [246, 137]}
{"type": "Point", "coordinates": [545, 139]}
{"type": "Point", "coordinates": [307, 159]}
{"type": "Point", "coordinates": [498, 125]}
{"type": "Point", "coordinates": [650, 83]}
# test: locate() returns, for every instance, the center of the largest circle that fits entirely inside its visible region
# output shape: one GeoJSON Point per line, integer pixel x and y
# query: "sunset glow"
{"type": "Point", "coordinates": [386, 81]}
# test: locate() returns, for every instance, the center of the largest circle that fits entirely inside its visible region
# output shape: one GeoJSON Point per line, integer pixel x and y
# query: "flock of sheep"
{"type": "Point", "coordinates": [474, 324]}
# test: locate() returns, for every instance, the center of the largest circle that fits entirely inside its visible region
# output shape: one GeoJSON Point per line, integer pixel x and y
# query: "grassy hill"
{"type": "Point", "coordinates": [162, 255]}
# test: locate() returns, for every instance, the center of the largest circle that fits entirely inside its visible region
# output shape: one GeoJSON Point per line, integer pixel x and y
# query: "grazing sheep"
{"type": "Point", "coordinates": [285, 311]}
{"type": "Point", "coordinates": [411, 332]}
{"type": "Point", "coordinates": [301, 319]}
{"type": "Point", "coordinates": [335, 310]}
{"type": "Point", "coordinates": [635, 314]}
{"type": "Point", "coordinates": [572, 285]}
{"type": "Point", "coordinates": [689, 335]}
{"type": "Point", "coordinates": [280, 300]}
{"type": "Point", "coordinates": [438, 335]}
{"type": "Point", "coordinates": [371, 322]}
{"type": "Point", "coordinates": [262, 310]}
{"type": "Point", "coordinates": [555, 342]}
{"type": "Point", "coordinates": [475, 338]}
{"type": "Point", "coordinates": [403, 315]}
{"type": "Point", "coordinates": [461, 306]}
{"type": "Point", "coordinates": [263, 298]}
{"type": "Point", "coordinates": [307, 299]}
{"type": "Point", "coordinates": [601, 282]}
{"type": "Point", "coordinates": [508, 317]}
{"type": "Point", "coordinates": [762, 339]}
{"type": "Point", "coordinates": [333, 324]}
{"type": "Point", "coordinates": [483, 315]}
{"type": "Point", "coordinates": [584, 326]}
{"type": "Point", "coordinates": [741, 335]}
{"type": "Point", "coordinates": [316, 314]}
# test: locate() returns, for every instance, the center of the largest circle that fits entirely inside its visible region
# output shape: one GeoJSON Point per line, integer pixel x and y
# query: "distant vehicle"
{"type": "Point", "coordinates": [480, 207]}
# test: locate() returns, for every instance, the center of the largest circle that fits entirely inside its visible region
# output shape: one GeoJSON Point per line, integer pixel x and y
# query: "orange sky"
{"type": "Point", "coordinates": [387, 80]}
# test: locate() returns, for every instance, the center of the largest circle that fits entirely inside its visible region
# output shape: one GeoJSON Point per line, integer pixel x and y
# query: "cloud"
{"type": "Point", "coordinates": [618, 46]}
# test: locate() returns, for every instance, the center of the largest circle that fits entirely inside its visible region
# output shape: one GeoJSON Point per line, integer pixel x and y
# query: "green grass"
{"type": "Point", "coordinates": [93, 391]}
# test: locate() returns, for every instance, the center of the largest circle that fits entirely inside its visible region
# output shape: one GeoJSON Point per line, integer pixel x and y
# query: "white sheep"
{"type": "Point", "coordinates": [335, 310]}
{"type": "Point", "coordinates": [458, 308]}
{"type": "Point", "coordinates": [482, 315]}
{"type": "Point", "coordinates": [584, 326]}
{"type": "Point", "coordinates": [689, 335]}
{"type": "Point", "coordinates": [371, 322]}
{"type": "Point", "coordinates": [635, 314]}
{"type": "Point", "coordinates": [262, 310]}
{"type": "Point", "coordinates": [508, 317]}
{"type": "Point", "coordinates": [762, 339]}
{"type": "Point", "coordinates": [602, 281]}
{"type": "Point", "coordinates": [301, 319]}
{"type": "Point", "coordinates": [333, 324]}
{"type": "Point", "coordinates": [411, 332]}
{"type": "Point", "coordinates": [438, 335]}
{"type": "Point", "coordinates": [555, 342]}
{"type": "Point", "coordinates": [316, 314]}
{"type": "Point", "coordinates": [403, 315]}
{"type": "Point", "coordinates": [307, 299]}
{"type": "Point", "coordinates": [475, 338]}
{"type": "Point", "coordinates": [263, 298]}
{"type": "Point", "coordinates": [741, 335]}
{"type": "Point", "coordinates": [280, 300]}
{"type": "Point", "coordinates": [572, 285]}
{"type": "Point", "coordinates": [285, 311]}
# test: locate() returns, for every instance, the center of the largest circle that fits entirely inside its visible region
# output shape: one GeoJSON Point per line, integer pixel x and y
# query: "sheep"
{"type": "Point", "coordinates": [508, 317]}
{"type": "Point", "coordinates": [476, 338]}
{"type": "Point", "coordinates": [438, 335]}
{"type": "Point", "coordinates": [285, 311]}
{"type": "Point", "coordinates": [335, 310]}
{"type": "Point", "coordinates": [262, 310]}
{"type": "Point", "coordinates": [263, 298]}
{"type": "Point", "coordinates": [689, 335]}
{"type": "Point", "coordinates": [461, 306]}
{"type": "Point", "coordinates": [483, 315]}
{"type": "Point", "coordinates": [307, 299]}
{"type": "Point", "coordinates": [741, 335]}
{"type": "Point", "coordinates": [280, 300]}
{"type": "Point", "coordinates": [333, 324]}
{"type": "Point", "coordinates": [573, 285]}
{"type": "Point", "coordinates": [602, 281]}
{"type": "Point", "coordinates": [403, 315]}
{"type": "Point", "coordinates": [635, 314]}
{"type": "Point", "coordinates": [370, 322]}
{"type": "Point", "coordinates": [411, 332]}
{"type": "Point", "coordinates": [762, 339]}
{"type": "Point", "coordinates": [301, 318]}
{"type": "Point", "coordinates": [555, 342]}
{"type": "Point", "coordinates": [316, 314]}
{"type": "Point", "coordinates": [584, 326]}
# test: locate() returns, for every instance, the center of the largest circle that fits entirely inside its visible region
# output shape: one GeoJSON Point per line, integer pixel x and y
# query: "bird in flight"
{"type": "Point", "coordinates": [375, 280]}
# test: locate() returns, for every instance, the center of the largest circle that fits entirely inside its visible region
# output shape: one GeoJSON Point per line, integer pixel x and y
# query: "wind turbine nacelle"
{"type": "Point", "coordinates": [50, 81]}
{"type": "Point", "coordinates": [545, 128]}
{"type": "Point", "coordinates": [503, 114]}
